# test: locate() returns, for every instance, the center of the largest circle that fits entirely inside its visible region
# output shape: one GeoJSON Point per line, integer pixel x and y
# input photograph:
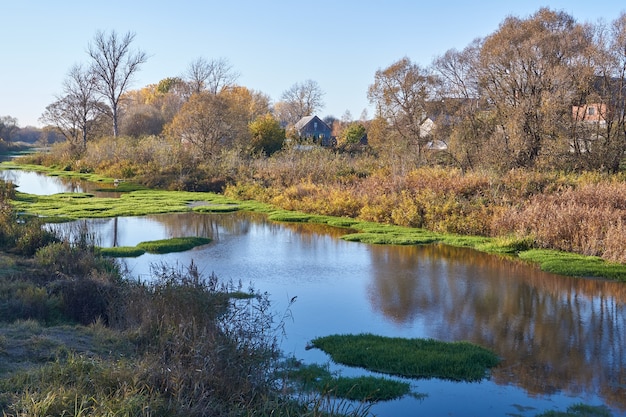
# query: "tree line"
{"type": "Point", "coordinates": [204, 108]}
{"type": "Point", "coordinates": [543, 91]}
{"type": "Point", "coordinates": [520, 98]}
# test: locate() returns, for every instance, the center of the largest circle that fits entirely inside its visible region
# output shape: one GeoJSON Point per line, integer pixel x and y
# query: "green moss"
{"type": "Point", "coordinates": [216, 208]}
{"type": "Point", "coordinates": [177, 244]}
{"type": "Point", "coordinates": [318, 378]}
{"type": "Point", "coordinates": [136, 203]}
{"type": "Point", "coordinates": [574, 265]}
{"type": "Point", "coordinates": [290, 216]}
{"type": "Point", "coordinates": [411, 358]}
{"type": "Point", "coordinates": [122, 252]}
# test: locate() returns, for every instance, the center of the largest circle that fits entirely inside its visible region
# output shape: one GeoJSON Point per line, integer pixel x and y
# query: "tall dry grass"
{"type": "Point", "coordinates": [588, 219]}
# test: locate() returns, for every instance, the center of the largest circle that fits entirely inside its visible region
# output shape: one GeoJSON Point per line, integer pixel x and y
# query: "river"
{"type": "Point", "coordinates": [562, 340]}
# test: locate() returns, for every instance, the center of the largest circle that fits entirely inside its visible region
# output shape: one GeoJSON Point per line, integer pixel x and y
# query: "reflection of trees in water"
{"type": "Point", "coordinates": [554, 333]}
{"type": "Point", "coordinates": [198, 225]}
{"type": "Point", "coordinates": [241, 223]}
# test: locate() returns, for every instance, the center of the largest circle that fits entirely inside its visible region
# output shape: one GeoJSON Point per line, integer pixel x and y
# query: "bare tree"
{"type": "Point", "coordinates": [74, 114]}
{"type": "Point", "coordinates": [458, 98]}
{"type": "Point", "coordinates": [400, 93]}
{"type": "Point", "coordinates": [213, 76]}
{"type": "Point", "coordinates": [605, 140]}
{"type": "Point", "coordinates": [114, 64]}
{"type": "Point", "coordinates": [301, 99]}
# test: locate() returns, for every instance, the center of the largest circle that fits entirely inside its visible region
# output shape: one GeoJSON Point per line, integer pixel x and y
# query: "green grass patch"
{"type": "Point", "coordinates": [571, 264]}
{"type": "Point", "coordinates": [122, 252]}
{"type": "Point", "coordinates": [290, 216]}
{"type": "Point", "coordinates": [177, 244]}
{"type": "Point", "coordinates": [411, 358]}
{"type": "Point", "coordinates": [382, 234]}
{"type": "Point", "coordinates": [318, 378]}
{"type": "Point", "coordinates": [135, 203]}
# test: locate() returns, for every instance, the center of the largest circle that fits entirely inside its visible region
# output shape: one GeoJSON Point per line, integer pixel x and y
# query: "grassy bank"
{"type": "Point", "coordinates": [142, 202]}
{"type": "Point", "coordinates": [577, 212]}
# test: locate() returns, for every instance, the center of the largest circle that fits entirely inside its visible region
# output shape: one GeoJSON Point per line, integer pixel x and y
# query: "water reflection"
{"type": "Point", "coordinates": [555, 334]}
{"type": "Point", "coordinates": [36, 183]}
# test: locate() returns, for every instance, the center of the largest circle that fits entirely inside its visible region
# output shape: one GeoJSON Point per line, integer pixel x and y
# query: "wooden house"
{"type": "Point", "coordinates": [315, 129]}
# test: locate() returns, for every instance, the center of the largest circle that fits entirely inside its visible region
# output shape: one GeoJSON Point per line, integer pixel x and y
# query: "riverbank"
{"type": "Point", "coordinates": [136, 200]}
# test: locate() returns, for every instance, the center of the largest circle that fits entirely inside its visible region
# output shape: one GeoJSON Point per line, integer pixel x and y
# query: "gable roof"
{"type": "Point", "coordinates": [306, 120]}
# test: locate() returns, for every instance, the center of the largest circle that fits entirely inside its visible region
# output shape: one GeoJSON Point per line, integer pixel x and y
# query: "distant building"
{"type": "Point", "coordinates": [316, 130]}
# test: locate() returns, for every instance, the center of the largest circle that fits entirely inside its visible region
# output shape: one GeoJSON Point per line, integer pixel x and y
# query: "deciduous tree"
{"type": "Point", "coordinates": [301, 99]}
{"type": "Point", "coordinates": [76, 112]}
{"type": "Point", "coordinates": [8, 125]}
{"type": "Point", "coordinates": [213, 76]}
{"type": "Point", "coordinates": [461, 125]}
{"type": "Point", "coordinates": [353, 133]}
{"type": "Point", "coordinates": [267, 136]}
{"type": "Point", "coordinates": [114, 64]}
{"type": "Point", "coordinates": [525, 73]}
{"type": "Point", "coordinates": [203, 123]}
{"type": "Point", "coordinates": [400, 93]}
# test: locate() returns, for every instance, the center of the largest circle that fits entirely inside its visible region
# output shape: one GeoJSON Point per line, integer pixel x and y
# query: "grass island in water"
{"type": "Point", "coordinates": [410, 358]}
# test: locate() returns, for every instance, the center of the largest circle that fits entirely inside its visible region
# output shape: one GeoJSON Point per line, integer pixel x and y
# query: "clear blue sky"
{"type": "Point", "coordinates": [273, 44]}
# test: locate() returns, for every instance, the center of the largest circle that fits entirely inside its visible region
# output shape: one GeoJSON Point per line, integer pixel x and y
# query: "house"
{"type": "Point", "coordinates": [315, 129]}
{"type": "Point", "coordinates": [595, 113]}
{"type": "Point", "coordinates": [606, 102]}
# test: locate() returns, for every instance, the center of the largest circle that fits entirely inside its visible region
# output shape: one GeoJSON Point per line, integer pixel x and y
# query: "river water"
{"type": "Point", "coordinates": [562, 340]}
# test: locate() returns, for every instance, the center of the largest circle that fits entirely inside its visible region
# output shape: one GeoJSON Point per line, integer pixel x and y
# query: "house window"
{"type": "Point", "coordinates": [591, 111]}
{"type": "Point", "coordinates": [315, 125]}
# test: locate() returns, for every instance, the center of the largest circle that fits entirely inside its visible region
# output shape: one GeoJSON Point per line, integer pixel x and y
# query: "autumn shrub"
{"type": "Point", "coordinates": [378, 208]}
{"type": "Point", "coordinates": [201, 348]}
{"type": "Point", "coordinates": [21, 299]}
{"type": "Point", "coordinates": [61, 155]}
{"type": "Point", "coordinates": [19, 235]}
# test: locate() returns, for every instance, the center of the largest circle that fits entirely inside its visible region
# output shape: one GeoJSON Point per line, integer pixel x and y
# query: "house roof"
{"type": "Point", "coordinates": [306, 120]}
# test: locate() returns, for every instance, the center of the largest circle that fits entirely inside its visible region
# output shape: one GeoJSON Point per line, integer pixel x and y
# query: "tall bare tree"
{"type": "Point", "coordinates": [607, 94]}
{"type": "Point", "coordinates": [213, 76]}
{"type": "Point", "coordinates": [301, 99]}
{"type": "Point", "coordinates": [75, 113]}
{"type": "Point", "coordinates": [114, 64]}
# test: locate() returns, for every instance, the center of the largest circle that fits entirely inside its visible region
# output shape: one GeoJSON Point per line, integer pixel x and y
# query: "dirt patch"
{"type": "Point", "coordinates": [27, 344]}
